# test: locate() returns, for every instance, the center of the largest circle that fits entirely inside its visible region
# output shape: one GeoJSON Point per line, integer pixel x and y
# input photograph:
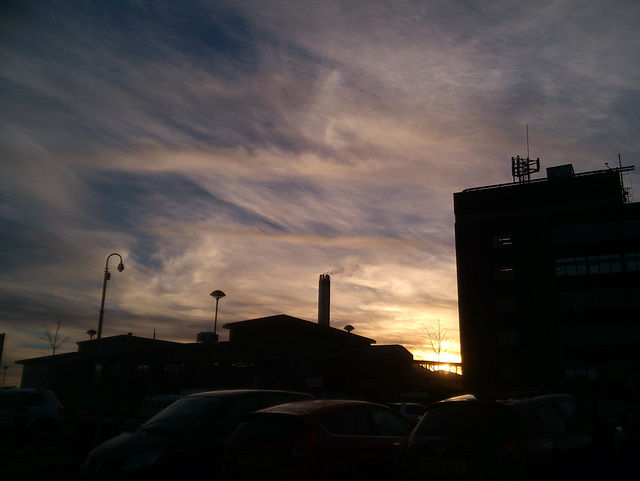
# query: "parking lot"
{"type": "Point", "coordinates": [50, 460]}
{"type": "Point", "coordinates": [60, 458]}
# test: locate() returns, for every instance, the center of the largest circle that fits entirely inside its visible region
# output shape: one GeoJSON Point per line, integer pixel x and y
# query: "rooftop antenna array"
{"type": "Point", "coordinates": [626, 191]}
{"type": "Point", "coordinates": [522, 168]}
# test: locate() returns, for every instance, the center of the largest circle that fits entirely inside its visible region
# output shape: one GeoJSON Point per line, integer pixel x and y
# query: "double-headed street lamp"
{"type": "Point", "coordinates": [107, 276]}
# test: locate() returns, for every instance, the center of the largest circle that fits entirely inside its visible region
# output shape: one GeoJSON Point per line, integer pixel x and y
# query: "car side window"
{"type": "Point", "coordinates": [578, 418]}
{"type": "Point", "coordinates": [551, 420]}
{"type": "Point", "coordinates": [350, 422]}
{"type": "Point", "coordinates": [388, 423]}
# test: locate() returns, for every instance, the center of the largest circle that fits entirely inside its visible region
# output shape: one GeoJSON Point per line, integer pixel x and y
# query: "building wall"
{"type": "Point", "coordinates": [276, 353]}
{"type": "Point", "coordinates": [548, 278]}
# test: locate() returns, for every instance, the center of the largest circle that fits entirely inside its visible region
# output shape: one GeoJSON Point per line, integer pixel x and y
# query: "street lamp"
{"type": "Point", "coordinates": [91, 333]}
{"type": "Point", "coordinates": [216, 295]}
{"type": "Point", "coordinates": [107, 276]}
{"type": "Point", "coordinates": [348, 328]}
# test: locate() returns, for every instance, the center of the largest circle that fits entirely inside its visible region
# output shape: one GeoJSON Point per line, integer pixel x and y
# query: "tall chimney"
{"type": "Point", "coordinates": [324, 290]}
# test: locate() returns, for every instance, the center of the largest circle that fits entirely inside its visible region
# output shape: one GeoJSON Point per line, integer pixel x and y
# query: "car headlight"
{"type": "Point", "coordinates": [142, 460]}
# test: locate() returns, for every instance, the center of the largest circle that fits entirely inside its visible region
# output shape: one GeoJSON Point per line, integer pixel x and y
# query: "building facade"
{"type": "Point", "coordinates": [549, 286]}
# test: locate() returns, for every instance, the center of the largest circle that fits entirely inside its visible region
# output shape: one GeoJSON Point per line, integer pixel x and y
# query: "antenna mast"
{"type": "Point", "coordinates": [523, 168]}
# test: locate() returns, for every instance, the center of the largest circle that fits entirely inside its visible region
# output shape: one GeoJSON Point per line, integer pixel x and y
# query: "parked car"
{"type": "Point", "coordinates": [316, 440]}
{"type": "Point", "coordinates": [413, 411]}
{"type": "Point", "coordinates": [184, 439]}
{"type": "Point", "coordinates": [30, 413]}
{"type": "Point", "coordinates": [153, 404]}
{"type": "Point", "coordinates": [540, 437]}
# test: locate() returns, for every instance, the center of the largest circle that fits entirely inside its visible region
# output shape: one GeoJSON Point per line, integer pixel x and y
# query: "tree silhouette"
{"type": "Point", "coordinates": [437, 339]}
{"type": "Point", "coordinates": [52, 336]}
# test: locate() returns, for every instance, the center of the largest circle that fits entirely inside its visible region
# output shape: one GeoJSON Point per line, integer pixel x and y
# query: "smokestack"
{"type": "Point", "coordinates": [324, 290]}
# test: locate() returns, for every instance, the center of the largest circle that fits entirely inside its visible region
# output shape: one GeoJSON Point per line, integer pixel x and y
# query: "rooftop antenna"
{"type": "Point", "coordinates": [626, 191]}
{"type": "Point", "coordinates": [523, 168]}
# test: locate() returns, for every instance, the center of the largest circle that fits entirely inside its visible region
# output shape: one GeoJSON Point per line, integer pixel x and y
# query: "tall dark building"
{"type": "Point", "coordinates": [549, 285]}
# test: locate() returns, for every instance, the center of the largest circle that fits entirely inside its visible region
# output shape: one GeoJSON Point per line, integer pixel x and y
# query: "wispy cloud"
{"type": "Point", "coordinates": [252, 146]}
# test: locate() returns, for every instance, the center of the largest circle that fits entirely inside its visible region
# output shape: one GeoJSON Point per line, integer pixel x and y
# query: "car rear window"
{"type": "Point", "coordinates": [469, 421]}
{"type": "Point", "coordinates": [268, 429]}
{"type": "Point", "coordinates": [349, 422]}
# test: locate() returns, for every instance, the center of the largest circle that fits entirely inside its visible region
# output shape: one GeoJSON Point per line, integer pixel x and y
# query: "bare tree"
{"type": "Point", "coordinates": [437, 339]}
{"type": "Point", "coordinates": [52, 336]}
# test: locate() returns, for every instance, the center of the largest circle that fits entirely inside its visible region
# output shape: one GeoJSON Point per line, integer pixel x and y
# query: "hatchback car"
{"type": "Point", "coordinates": [186, 438]}
{"type": "Point", "coordinates": [540, 437]}
{"type": "Point", "coordinates": [324, 439]}
{"type": "Point", "coordinates": [30, 412]}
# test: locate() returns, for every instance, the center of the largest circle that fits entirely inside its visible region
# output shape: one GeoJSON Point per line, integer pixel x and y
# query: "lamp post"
{"type": "Point", "coordinates": [217, 295]}
{"type": "Point", "coordinates": [107, 276]}
{"type": "Point", "coordinates": [4, 373]}
{"type": "Point", "coordinates": [348, 328]}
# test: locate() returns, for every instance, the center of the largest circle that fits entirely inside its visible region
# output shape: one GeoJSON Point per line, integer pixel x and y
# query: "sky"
{"type": "Point", "coordinates": [251, 146]}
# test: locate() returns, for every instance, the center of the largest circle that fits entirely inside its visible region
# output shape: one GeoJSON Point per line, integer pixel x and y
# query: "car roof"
{"type": "Point", "coordinates": [24, 389]}
{"type": "Point", "coordinates": [227, 393]}
{"type": "Point", "coordinates": [515, 399]}
{"type": "Point", "coordinates": [316, 407]}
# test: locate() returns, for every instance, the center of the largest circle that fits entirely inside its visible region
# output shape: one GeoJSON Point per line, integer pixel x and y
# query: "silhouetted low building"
{"type": "Point", "coordinates": [278, 352]}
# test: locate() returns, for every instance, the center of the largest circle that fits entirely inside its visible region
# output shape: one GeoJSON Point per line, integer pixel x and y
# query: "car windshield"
{"type": "Point", "coordinates": [184, 415]}
{"type": "Point", "coordinates": [268, 429]}
{"type": "Point", "coordinates": [469, 421]}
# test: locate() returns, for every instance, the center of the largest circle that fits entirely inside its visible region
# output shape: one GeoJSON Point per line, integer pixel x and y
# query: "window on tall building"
{"type": "Point", "coordinates": [632, 261]}
{"type": "Point", "coordinates": [595, 299]}
{"type": "Point", "coordinates": [589, 265]}
{"type": "Point", "coordinates": [508, 338]}
{"type": "Point", "coordinates": [501, 241]}
{"type": "Point", "coordinates": [506, 304]}
{"type": "Point", "coordinates": [578, 234]}
{"type": "Point", "coordinates": [505, 272]}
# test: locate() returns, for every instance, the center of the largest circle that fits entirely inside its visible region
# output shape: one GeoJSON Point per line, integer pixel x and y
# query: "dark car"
{"type": "Point", "coordinates": [539, 437]}
{"type": "Point", "coordinates": [186, 438]}
{"type": "Point", "coordinates": [30, 414]}
{"type": "Point", "coordinates": [316, 440]}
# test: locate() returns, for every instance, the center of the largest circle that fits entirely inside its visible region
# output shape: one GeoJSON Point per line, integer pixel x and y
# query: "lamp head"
{"type": "Point", "coordinates": [120, 267]}
{"type": "Point", "coordinates": [217, 294]}
{"type": "Point", "coordinates": [348, 328]}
